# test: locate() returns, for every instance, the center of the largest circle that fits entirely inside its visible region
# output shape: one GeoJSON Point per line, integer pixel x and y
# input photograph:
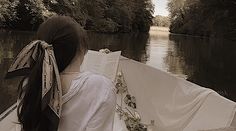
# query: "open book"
{"type": "Point", "coordinates": [105, 64]}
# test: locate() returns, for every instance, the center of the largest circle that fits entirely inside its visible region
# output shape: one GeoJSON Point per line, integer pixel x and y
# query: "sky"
{"type": "Point", "coordinates": [160, 7]}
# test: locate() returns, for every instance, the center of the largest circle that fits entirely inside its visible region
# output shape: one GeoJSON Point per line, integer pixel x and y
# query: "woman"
{"type": "Point", "coordinates": [55, 95]}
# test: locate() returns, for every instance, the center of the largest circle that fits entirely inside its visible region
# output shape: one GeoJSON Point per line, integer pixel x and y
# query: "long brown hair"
{"type": "Point", "coordinates": [67, 37]}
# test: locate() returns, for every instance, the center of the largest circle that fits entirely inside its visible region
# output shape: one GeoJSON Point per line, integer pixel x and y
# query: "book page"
{"type": "Point", "coordinates": [111, 64]}
{"type": "Point", "coordinates": [105, 64]}
{"type": "Point", "coordinates": [92, 62]}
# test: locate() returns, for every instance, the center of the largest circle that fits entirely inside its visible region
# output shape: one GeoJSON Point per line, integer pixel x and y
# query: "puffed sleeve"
{"type": "Point", "coordinates": [103, 119]}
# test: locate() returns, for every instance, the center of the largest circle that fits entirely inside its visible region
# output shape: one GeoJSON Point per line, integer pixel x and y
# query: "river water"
{"type": "Point", "coordinates": [207, 62]}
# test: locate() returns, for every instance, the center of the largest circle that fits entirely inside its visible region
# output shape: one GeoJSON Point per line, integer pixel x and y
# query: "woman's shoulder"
{"type": "Point", "coordinates": [102, 88]}
{"type": "Point", "coordinates": [95, 87]}
{"type": "Point", "coordinates": [98, 78]}
{"type": "Point", "coordinates": [100, 81]}
{"type": "Point", "coordinates": [92, 85]}
{"type": "Point", "coordinates": [93, 81]}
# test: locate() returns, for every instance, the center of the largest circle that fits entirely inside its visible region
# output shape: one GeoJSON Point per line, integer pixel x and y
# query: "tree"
{"type": "Point", "coordinates": [96, 15]}
{"type": "Point", "coordinates": [214, 18]}
{"type": "Point", "coordinates": [7, 12]}
{"type": "Point", "coordinates": [31, 13]}
{"type": "Point", "coordinates": [143, 10]}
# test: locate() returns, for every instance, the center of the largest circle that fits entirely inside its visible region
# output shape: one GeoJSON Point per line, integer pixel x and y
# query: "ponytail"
{"type": "Point", "coordinates": [29, 110]}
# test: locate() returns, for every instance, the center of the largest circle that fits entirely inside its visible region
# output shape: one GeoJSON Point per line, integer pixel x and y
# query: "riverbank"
{"type": "Point", "coordinates": [164, 31]}
{"type": "Point", "coordinates": [159, 28]}
{"type": "Point", "coordinates": [212, 19]}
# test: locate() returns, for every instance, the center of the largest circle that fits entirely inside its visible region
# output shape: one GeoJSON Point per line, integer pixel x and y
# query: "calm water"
{"type": "Point", "coordinates": [210, 63]}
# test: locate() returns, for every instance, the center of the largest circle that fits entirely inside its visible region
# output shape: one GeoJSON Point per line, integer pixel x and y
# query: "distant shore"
{"type": "Point", "coordinates": [159, 28]}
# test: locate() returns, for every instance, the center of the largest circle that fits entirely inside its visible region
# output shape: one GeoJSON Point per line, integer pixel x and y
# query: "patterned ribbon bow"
{"type": "Point", "coordinates": [50, 75]}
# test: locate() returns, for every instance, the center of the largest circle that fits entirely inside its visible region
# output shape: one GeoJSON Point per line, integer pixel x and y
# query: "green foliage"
{"type": "Point", "coordinates": [105, 26]}
{"type": "Point", "coordinates": [121, 12]}
{"type": "Point", "coordinates": [143, 18]}
{"type": "Point", "coordinates": [203, 17]}
{"type": "Point", "coordinates": [7, 12]}
{"type": "Point", "coordinates": [31, 13]}
{"type": "Point", "coordinates": [95, 15]}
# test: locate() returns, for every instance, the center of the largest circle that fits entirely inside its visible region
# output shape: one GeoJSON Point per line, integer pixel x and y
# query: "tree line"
{"type": "Point", "coordinates": [96, 15]}
{"type": "Point", "coordinates": [210, 18]}
{"type": "Point", "coordinates": [163, 21]}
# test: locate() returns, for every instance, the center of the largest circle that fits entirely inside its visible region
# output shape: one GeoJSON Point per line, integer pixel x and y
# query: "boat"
{"type": "Point", "coordinates": [157, 97]}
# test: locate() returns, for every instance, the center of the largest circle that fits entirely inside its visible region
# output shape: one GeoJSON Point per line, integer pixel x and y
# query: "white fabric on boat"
{"type": "Point", "coordinates": [175, 104]}
{"type": "Point", "coordinates": [119, 124]}
{"type": "Point", "coordinates": [89, 104]}
{"type": "Point", "coordinates": [222, 129]}
{"type": "Point", "coordinates": [216, 112]}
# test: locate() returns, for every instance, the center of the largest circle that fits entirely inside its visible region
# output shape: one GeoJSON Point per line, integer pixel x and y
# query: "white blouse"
{"type": "Point", "coordinates": [89, 104]}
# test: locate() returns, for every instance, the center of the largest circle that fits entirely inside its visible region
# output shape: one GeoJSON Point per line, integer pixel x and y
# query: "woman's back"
{"type": "Point", "coordinates": [89, 104]}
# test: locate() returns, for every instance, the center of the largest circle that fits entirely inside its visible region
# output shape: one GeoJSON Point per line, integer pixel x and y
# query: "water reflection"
{"type": "Point", "coordinates": [131, 45]}
{"type": "Point", "coordinates": [210, 63]}
{"type": "Point", "coordinates": [163, 53]}
{"type": "Point", "coordinates": [10, 45]}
